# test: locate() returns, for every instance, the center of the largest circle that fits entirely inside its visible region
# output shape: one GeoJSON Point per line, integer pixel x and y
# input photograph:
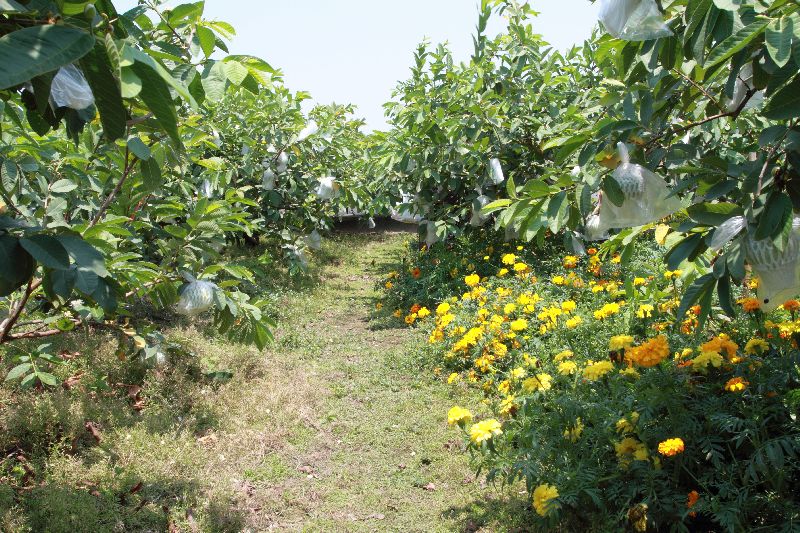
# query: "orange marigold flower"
{"type": "Point", "coordinates": [591, 251]}
{"type": "Point", "coordinates": [719, 344]}
{"type": "Point", "coordinates": [736, 385]}
{"type": "Point", "coordinates": [692, 499]}
{"type": "Point", "coordinates": [415, 308]}
{"type": "Point", "coordinates": [416, 273]}
{"type": "Point", "coordinates": [671, 447]}
{"type": "Point", "coordinates": [791, 305]}
{"type": "Point", "coordinates": [750, 305]}
{"type": "Point", "coordinates": [650, 353]}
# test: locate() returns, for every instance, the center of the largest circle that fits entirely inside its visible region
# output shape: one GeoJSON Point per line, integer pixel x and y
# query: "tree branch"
{"type": "Point", "coordinates": [16, 311]}
{"type": "Point", "coordinates": [110, 198]}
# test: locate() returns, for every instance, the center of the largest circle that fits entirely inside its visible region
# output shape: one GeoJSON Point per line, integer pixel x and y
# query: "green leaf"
{"type": "Point", "coordinates": [214, 82]}
{"type": "Point", "coordinates": [132, 55]}
{"type": "Point", "coordinates": [47, 250]}
{"type": "Point", "coordinates": [16, 265]}
{"type": "Point", "coordinates": [497, 205]}
{"type": "Point", "coordinates": [683, 250]}
{"type": "Point", "coordinates": [613, 191]}
{"type": "Point", "coordinates": [785, 103]}
{"type": "Point", "coordinates": [107, 95]}
{"type": "Point", "coordinates": [30, 52]}
{"type": "Point", "coordinates": [47, 378]}
{"type": "Point", "coordinates": [138, 148]}
{"type": "Point", "coordinates": [695, 292]}
{"type": "Point", "coordinates": [130, 83]}
{"type": "Point", "coordinates": [713, 214]}
{"type": "Point", "coordinates": [735, 42]}
{"type": "Point", "coordinates": [155, 94]}
{"type": "Point", "coordinates": [774, 215]}
{"type": "Point", "coordinates": [63, 186]}
{"type": "Point", "coordinates": [779, 40]}
{"type": "Point", "coordinates": [84, 254]}
{"type": "Point", "coordinates": [18, 371]}
{"type": "Point", "coordinates": [10, 6]}
{"type": "Point", "coordinates": [207, 40]}
{"type": "Point", "coordinates": [151, 174]}
{"type": "Point", "coordinates": [536, 189]}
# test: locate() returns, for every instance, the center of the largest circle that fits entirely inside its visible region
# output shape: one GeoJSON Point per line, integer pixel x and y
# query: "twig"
{"type": "Point", "coordinates": [110, 198]}
{"type": "Point", "coordinates": [699, 87]}
{"type": "Point", "coordinates": [14, 313]}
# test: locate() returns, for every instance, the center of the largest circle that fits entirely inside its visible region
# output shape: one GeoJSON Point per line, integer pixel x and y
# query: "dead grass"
{"type": "Point", "coordinates": [335, 427]}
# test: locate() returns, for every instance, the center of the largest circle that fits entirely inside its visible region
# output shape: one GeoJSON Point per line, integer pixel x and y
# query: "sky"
{"type": "Point", "coordinates": [356, 51]}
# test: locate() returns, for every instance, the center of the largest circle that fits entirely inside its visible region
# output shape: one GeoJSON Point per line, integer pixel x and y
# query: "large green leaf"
{"type": "Point", "coordinates": [85, 255]}
{"type": "Point", "coordinates": [155, 94]}
{"type": "Point", "coordinates": [779, 40]}
{"type": "Point", "coordinates": [735, 42]}
{"type": "Point", "coordinates": [772, 219]}
{"type": "Point", "coordinates": [785, 103]}
{"type": "Point", "coordinates": [16, 265]}
{"type": "Point", "coordinates": [47, 250]}
{"type": "Point", "coordinates": [30, 52]}
{"type": "Point", "coordinates": [107, 96]}
{"type": "Point", "coordinates": [713, 214]}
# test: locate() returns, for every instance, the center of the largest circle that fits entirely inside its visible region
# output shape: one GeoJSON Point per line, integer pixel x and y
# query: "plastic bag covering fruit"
{"type": "Point", "coordinates": [69, 89]}
{"type": "Point", "coordinates": [431, 237]}
{"type": "Point", "coordinates": [496, 171]}
{"type": "Point", "coordinates": [778, 271]}
{"type": "Point", "coordinates": [479, 219]}
{"type": "Point", "coordinates": [283, 162]}
{"type": "Point", "coordinates": [310, 129]}
{"type": "Point", "coordinates": [314, 240]}
{"type": "Point", "coordinates": [633, 20]}
{"type": "Point", "coordinates": [744, 83]}
{"type": "Point", "coordinates": [327, 188]}
{"type": "Point", "coordinates": [196, 298]}
{"type": "Point", "coordinates": [268, 180]}
{"type": "Point", "coordinates": [405, 215]}
{"type": "Point", "coordinates": [646, 197]}
{"type": "Point", "coordinates": [592, 231]}
{"type": "Point", "coordinates": [371, 223]}
{"type": "Point", "coordinates": [208, 190]}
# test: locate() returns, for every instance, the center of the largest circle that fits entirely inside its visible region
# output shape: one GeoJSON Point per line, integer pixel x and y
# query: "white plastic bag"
{"type": "Point", "coordinates": [593, 231]}
{"type": "Point", "coordinates": [327, 189]}
{"type": "Point", "coordinates": [196, 298]}
{"type": "Point", "coordinates": [314, 240]}
{"type": "Point", "coordinates": [633, 20]}
{"type": "Point", "coordinates": [479, 219]}
{"type": "Point", "coordinates": [647, 197]}
{"type": "Point", "coordinates": [268, 180]}
{"type": "Point", "coordinates": [208, 191]}
{"type": "Point", "coordinates": [744, 83]}
{"type": "Point", "coordinates": [431, 237]}
{"type": "Point", "coordinates": [283, 162]}
{"type": "Point", "coordinates": [310, 129]}
{"type": "Point", "coordinates": [778, 271]}
{"type": "Point", "coordinates": [496, 171]}
{"type": "Point", "coordinates": [69, 89]}
{"type": "Point", "coordinates": [371, 223]}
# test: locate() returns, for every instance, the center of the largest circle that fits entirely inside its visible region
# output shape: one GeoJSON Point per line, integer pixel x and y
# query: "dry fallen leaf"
{"type": "Point", "coordinates": [91, 428]}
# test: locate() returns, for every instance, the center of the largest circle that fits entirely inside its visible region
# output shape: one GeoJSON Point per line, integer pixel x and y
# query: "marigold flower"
{"type": "Point", "coordinates": [650, 353]}
{"type": "Point", "coordinates": [472, 280]}
{"type": "Point", "coordinates": [397, 313]}
{"type": "Point", "coordinates": [645, 311]}
{"type": "Point", "coordinates": [566, 354]}
{"type": "Point", "coordinates": [750, 305]}
{"type": "Point", "coordinates": [568, 306]}
{"type": "Point", "coordinates": [458, 415]}
{"type": "Point", "coordinates": [415, 308]}
{"type": "Point", "coordinates": [410, 319]}
{"type": "Point", "coordinates": [691, 499]}
{"type": "Point", "coordinates": [639, 281]}
{"type": "Point", "coordinates": [721, 343]}
{"type": "Point", "coordinates": [509, 259]}
{"type": "Point", "coordinates": [629, 449]}
{"type": "Point", "coordinates": [574, 433]}
{"type": "Point", "coordinates": [519, 325]}
{"type": "Point", "coordinates": [736, 384]}
{"type": "Point", "coordinates": [543, 497]}
{"type": "Point", "coordinates": [485, 430]}
{"type": "Point", "coordinates": [595, 371]}
{"type": "Point", "coordinates": [570, 261]}
{"type": "Point", "coordinates": [591, 251]}
{"type": "Point", "coordinates": [520, 267]}
{"type": "Point", "coordinates": [573, 322]}
{"type": "Point", "coordinates": [567, 367]}
{"type": "Point", "coordinates": [791, 305]}
{"type": "Point", "coordinates": [423, 312]}
{"type": "Point", "coordinates": [416, 273]}
{"type": "Point", "coordinates": [671, 447]}
{"type": "Point", "coordinates": [452, 378]}
{"type": "Point", "coordinates": [389, 285]}
{"type": "Point", "coordinates": [701, 362]}
{"type": "Point", "coordinates": [378, 306]}
{"type": "Point", "coordinates": [756, 346]}
{"type": "Point", "coordinates": [443, 308]}
{"type": "Point", "coordinates": [539, 382]}
{"type": "Point", "coordinates": [620, 342]}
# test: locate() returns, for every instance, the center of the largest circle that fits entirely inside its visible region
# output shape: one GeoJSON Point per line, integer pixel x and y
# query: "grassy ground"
{"type": "Point", "coordinates": [336, 427]}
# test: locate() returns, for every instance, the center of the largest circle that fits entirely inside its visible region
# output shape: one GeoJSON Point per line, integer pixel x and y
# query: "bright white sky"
{"type": "Point", "coordinates": [355, 51]}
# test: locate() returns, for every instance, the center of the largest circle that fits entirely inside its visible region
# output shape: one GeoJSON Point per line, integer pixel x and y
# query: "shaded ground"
{"type": "Point", "coordinates": [336, 427]}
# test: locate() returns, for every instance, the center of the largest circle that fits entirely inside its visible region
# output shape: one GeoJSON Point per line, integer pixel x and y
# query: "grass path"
{"type": "Point", "coordinates": [337, 426]}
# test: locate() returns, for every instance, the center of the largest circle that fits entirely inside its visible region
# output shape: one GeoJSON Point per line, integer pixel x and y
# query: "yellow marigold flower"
{"type": "Point", "coordinates": [630, 372]}
{"type": "Point", "coordinates": [509, 308]}
{"type": "Point", "coordinates": [595, 371]}
{"type": "Point", "coordinates": [519, 325]}
{"type": "Point", "coordinates": [611, 287]}
{"type": "Point", "coordinates": [499, 349]}
{"type": "Point", "coordinates": [389, 285]}
{"type": "Point", "coordinates": [458, 415]}
{"type": "Point", "coordinates": [543, 497]}
{"type": "Point", "coordinates": [736, 384]}
{"type": "Point", "coordinates": [378, 306]}
{"type": "Point", "coordinates": [568, 306]}
{"type": "Point", "coordinates": [567, 367]}
{"type": "Point", "coordinates": [423, 312]}
{"type": "Point", "coordinates": [520, 267]}
{"type": "Point", "coordinates": [502, 272]}
{"type": "Point", "coordinates": [570, 261]}
{"type": "Point", "coordinates": [443, 308]}
{"type": "Point", "coordinates": [520, 248]}
{"type": "Point", "coordinates": [573, 322]}
{"type": "Point", "coordinates": [518, 373]}
{"type": "Point", "coordinates": [509, 259]}
{"type": "Point", "coordinates": [627, 425]}
{"type": "Point", "coordinates": [620, 342]}
{"type": "Point", "coordinates": [472, 280]}
{"type": "Point", "coordinates": [651, 352]}
{"type": "Point", "coordinates": [608, 310]}
{"type": "Point", "coordinates": [559, 280]}
{"type": "Point", "coordinates": [645, 311]}
{"type": "Point", "coordinates": [574, 433]}
{"type": "Point", "coordinates": [485, 430]}
{"type": "Point", "coordinates": [673, 274]}
{"type": "Point", "coordinates": [437, 335]}
{"type": "Point", "coordinates": [750, 305]}
{"type": "Point", "coordinates": [629, 449]}
{"type": "Point", "coordinates": [508, 406]}
{"type": "Point", "coordinates": [756, 346]}
{"type": "Point", "coordinates": [617, 259]}
{"type": "Point", "coordinates": [410, 319]}
{"type": "Point", "coordinates": [445, 320]}
{"type": "Point", "coordinates": [542, 382]}
{"type": "Point", "coordinates": [452, 378]}
{"type": "Point", "coordinates": [397, 313]}
{"type": "Point", "coordinates": [566, 354]}
{"type": "Point", "coordinates": [637, 282]}
{"type": "Point", "coordinates": [671, 447]}
{"type": "Point", "coordinates": [701, 362]}
{"type": "Point", "coordinates": [598, 288]}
